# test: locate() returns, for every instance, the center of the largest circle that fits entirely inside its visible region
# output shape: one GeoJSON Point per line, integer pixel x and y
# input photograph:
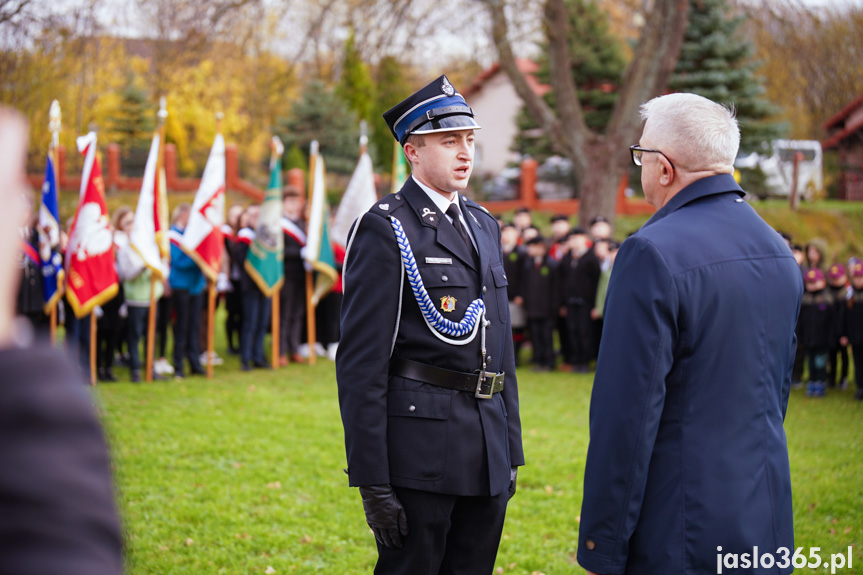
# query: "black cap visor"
{"type": "Point", "coordinates": [443, 123]}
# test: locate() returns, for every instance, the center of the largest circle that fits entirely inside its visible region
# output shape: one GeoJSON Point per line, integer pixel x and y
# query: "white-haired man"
{"type": "Point", "coordinates": [687, 469]}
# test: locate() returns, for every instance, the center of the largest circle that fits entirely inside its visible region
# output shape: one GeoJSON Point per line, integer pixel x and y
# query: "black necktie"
{"type": "Point", "coordinates": [453, 212]}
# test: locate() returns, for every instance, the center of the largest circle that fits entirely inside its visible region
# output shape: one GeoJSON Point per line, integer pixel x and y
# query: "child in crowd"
{"type": "Point", "coordinates": [817, 328]}
{"type": "Point", "coordinates": [854, 322]}
{"type": "Point", "coordinates": [538, 294]}
{"type": "Point", "coordinates": [837, 282]}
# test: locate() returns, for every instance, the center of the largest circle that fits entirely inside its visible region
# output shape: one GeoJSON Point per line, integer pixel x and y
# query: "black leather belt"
{"type": "Point", "coordinates": [482, 384]}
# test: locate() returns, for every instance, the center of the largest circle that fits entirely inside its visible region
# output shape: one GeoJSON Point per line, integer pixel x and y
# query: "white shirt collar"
{"type": "Point", "coordinates": [439, 200]}
{"type": "Point", "coordinates": [442, 204]}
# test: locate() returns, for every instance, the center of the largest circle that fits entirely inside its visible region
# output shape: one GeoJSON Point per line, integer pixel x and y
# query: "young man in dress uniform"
{"type": "Point", "coordinates": [425, 367]}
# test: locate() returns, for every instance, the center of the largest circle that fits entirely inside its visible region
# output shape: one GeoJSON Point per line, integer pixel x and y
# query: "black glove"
{"type": "Point", "coordinates": [512, 474]}
{"type": "Point", "coordinates": [384, 514]}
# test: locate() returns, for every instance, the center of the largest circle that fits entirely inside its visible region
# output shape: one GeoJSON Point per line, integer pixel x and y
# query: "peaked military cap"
{"type": "Point", "coordinates": [436, 108]}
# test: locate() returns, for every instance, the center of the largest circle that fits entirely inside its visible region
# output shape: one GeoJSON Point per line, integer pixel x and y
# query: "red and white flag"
{"type": "Point", "coordinates": [143, 238]}
{"type": "Point", "coordinates": [202, 239]}
{"type": "Point", "coordinates": [90, 272]}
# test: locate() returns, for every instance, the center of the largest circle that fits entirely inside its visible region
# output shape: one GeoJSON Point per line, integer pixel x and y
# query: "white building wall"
{"type": "Point", "coordinates": [496, 106]}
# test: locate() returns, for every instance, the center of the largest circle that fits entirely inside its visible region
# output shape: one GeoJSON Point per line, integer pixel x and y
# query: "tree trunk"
{"type": "Point", "coordinates": [599, 160]}
{"type": "Point", "coordinates": [606, 164]}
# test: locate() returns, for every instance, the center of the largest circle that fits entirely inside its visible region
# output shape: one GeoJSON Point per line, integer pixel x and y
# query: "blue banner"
{"type": "Point", "coordinates": [49, 239]}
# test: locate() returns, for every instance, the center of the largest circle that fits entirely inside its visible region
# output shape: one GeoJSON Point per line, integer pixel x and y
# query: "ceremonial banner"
{"type": "Point", "coordinates": [358, 198]}
{"type": "Point", "coordinates": [143, 239]}
{"type": "Point", "coordinates": [161, 217]}
{"type": "Point", "coordinates": [267, 252]}
{"type": "Point", "coordinates": [90, 272]}
{"type": "Point", "coordinates": [203, 238]}
{"type": "Point", "coordinates": [319, 251]}
{"type": "Point", "coordinates": [400, 168]}
{"type": "Point", "coordinates": [49, 238]}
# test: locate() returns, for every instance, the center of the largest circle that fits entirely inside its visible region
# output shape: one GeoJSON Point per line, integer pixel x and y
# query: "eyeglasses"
{"type": "Point", "coordinates": [637, 151]}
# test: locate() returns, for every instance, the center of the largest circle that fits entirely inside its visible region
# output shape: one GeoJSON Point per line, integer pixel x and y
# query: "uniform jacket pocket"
{"type": "Point", "coordinates": [417, 433]}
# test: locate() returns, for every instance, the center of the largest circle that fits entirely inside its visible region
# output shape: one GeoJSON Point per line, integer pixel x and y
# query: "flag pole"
{"type": "Point", "coordinates": [54, 124]}
{"type": "Point", "coordinates": [93, 344]}
{"type": "Point", "coordinates": [211, 293]}
{"type": "Point", "coordinates": [275, 145]}
{"type": "Point", "coordinates": [151, 316]}
{"type": "Point", "coordinates": [311, 327]}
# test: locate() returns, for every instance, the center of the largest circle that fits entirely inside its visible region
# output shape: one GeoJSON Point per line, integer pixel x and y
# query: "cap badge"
{"type": "Point", "coordinates": [447, 303]}
{"type": "Point", "coordinates": [446, 87]}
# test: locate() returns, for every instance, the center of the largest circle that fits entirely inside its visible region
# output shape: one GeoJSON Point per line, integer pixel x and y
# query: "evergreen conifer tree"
{"type": "Point", "coordinates": [132, 124]}
{"type": "Point", "coordinates": [355, 85]}
{"type": "Point", "coordinates": [323, 116]}
{"type": "Point", "coordinates": [716, 62]}
{"type": "Point", "coordinates": [392, 89]}
{"type": "Point", "coordinates": [597, 66]}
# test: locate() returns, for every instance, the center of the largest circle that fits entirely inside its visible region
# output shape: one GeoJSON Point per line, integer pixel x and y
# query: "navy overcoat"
{"type": "Point", "coordinates": [687, 447]}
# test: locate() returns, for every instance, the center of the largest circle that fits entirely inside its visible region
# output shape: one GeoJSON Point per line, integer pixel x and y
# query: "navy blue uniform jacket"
{"type": "Point", "coordinates": [450, 442]}
{"type": "Point", "coordinates": [687, 447]}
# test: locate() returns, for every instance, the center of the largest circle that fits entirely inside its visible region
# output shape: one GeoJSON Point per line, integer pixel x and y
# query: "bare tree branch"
{"type": "Point", "coordinates": [566, 92]}
{"type": "Point", "coordinates": [655, 59]}
{"type": "Point", "coordinates": [536, 106]}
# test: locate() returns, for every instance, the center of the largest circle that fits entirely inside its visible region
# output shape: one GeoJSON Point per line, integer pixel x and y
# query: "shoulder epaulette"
{"type": "Point", "coordinates": [387, 205]}
{"type": "Point", "coordinates": [473, 204]}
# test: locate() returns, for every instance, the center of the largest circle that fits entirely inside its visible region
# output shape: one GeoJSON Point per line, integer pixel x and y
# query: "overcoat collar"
{"type": "Point", "coordinates": [709, 186]}
{"type": "Point", "coordinates": [428, 213]}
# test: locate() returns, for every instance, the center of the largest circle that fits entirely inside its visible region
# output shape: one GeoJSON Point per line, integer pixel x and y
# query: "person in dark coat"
{"type": "Point", "coordinates": [837, 283]}
{"type": "Point", "coordinates": [579, 277]}
{"type": "Point", "coordinates": [256, 306]}
{"type": "Point", "coordinates": [818, 329]}
{"type": "Point", "coordinates": [538, 293]}
{"type": "Point", "coordinates": [30, 300]}
{"type": "Point", "coordinates": [431, 418]}
{"type": "Point", "coordinates": [513, 254]}
{"type": "Point", "coordinates": [292, 297]}
{"type": "Point", "coordinates": [687, 448]}
{"type": "Point", "coordinates": [853, 335]}
{"type": "Point", "coordinates": [57, 511]}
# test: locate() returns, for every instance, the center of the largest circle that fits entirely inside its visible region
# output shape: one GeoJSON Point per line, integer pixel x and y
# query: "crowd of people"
{"type": "Point", "coordinates": [830, 321]}
{"type": "Point", "coordinates": [557, 284]}
{"type": "Point", "coordinates": [182, 300]}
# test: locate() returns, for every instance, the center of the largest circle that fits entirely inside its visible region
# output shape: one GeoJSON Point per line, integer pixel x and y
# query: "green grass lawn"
{"type": "Point", "coordinates": [244, 473]}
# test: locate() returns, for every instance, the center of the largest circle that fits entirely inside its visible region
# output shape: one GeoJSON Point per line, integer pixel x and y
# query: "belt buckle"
{"type": "Point", "coordinates": [492, 382]}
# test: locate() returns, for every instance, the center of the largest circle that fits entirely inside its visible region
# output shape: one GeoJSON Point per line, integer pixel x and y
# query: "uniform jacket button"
{"type": "Point", "coordinates": [590, 545]}
{"type": "Point", "coordinates": [412, 408]}
{"type": "Point", "coordinates": [444, 278]}
{"type": "Point", "coordinates": [484, 289]}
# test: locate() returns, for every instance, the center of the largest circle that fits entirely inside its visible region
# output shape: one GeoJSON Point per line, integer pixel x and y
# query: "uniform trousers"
{"type": "Point", "coordinates": [136, 327]}
{"type": "Point", "coordinates": [542, 341]}
{"type": "Point", "coordinates": [857, 352]}
{"type": "Point", "coordinates": [580, 332]}
{"type": "Point", "coordinates": [256, 313]}
{"type": "Point", "coordinates": [448, 535]}
{"type": "Point", "coordinates": [292, 311]}
{"type": "Point", "coordinates": [818, 358]}
{"type": "Point", "coordinates": [187, 315]}
{"type": "Point", "coordinates": [837, 353]}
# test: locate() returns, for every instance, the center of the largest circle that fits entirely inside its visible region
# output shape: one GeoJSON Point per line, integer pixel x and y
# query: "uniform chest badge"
{"type": "Point", "coordinates": [447, 303]}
